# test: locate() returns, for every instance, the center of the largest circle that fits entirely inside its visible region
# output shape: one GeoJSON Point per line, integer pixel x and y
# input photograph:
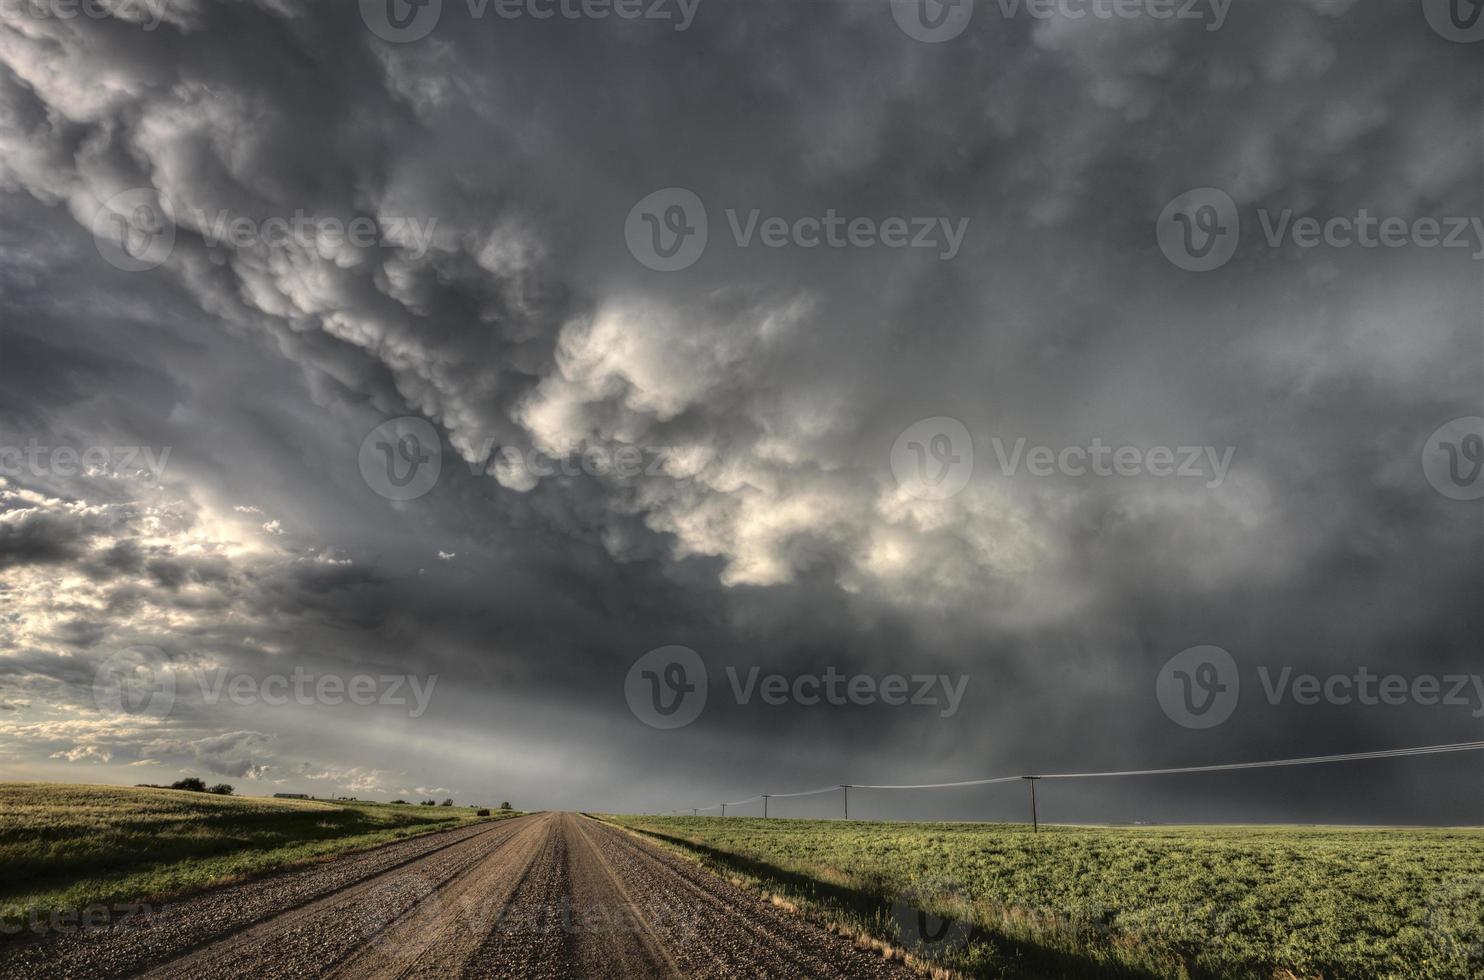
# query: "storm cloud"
{"type": "Point", "coordinates": [346, 225]}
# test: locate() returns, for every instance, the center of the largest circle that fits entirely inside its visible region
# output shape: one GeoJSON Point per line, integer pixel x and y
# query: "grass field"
{"type": "Point", "coordinates": [66, 848]}
{"type": "Point", "coordinates": [1247, 902]}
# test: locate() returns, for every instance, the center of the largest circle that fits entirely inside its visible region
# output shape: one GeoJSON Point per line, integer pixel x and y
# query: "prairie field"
{"type": "Point", "coordinates": [1163, 901]}
{"type": "Point", "coordinates": [65, 848]}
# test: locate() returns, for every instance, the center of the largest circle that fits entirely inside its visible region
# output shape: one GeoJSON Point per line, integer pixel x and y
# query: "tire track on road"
{"type": "Point", "coordinates": [307, 940]}
{"type": "Point", "coordinates": [437, 936]}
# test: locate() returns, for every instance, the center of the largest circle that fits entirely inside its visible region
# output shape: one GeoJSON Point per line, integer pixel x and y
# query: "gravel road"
{"type": "Point", "coordinates": [548, 895]}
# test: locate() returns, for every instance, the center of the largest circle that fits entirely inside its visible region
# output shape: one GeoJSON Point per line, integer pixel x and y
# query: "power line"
{"type": "Point", "coordinates": [1224, 767]}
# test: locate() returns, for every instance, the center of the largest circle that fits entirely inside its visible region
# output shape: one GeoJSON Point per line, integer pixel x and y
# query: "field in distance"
{"type": "Point", "coordinates": [1176, 902]}
{"type": "Point", "coordinates": [67, 850]}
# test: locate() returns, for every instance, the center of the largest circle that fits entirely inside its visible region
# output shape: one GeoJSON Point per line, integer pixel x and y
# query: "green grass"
{"type": "Point", "coordinates": [1178, 902]}
{"type": "Point", "coordinates": [70, 847]}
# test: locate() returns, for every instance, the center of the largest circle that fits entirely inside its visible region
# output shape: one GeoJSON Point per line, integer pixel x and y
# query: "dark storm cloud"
{"type": "Point", "coordinates": [501, 158]}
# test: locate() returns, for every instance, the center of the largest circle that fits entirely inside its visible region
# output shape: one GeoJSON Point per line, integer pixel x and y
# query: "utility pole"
{"type": "Point", "coordinates": [693, 811]}
{"type": "Point", "coordinates": [765, 806]}
{"type": "Point", "coordinates": [846, 789]}
{"type": "Point", "coordinates": [723, 809]}
{"type": "Point", "coordinates": [1035, 822]}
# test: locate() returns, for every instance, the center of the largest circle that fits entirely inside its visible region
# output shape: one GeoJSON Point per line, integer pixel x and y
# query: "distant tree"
{"type": "Point", "coordinates": [399, 801]}
{"type": "Point", "coordinates": [221, 789]}
{"type": "Point", "coordinates": [191, 783]}
{"type": "Point", "coordinates": [447, 802]}
{"type": "Point", "coordinates": [427, 803]}
{"type": "Point", "coordinates": [506, 806]}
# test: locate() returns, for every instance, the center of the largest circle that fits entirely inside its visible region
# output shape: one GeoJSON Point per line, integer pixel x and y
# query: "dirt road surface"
{"type": "Point", "coordinates": [548, 895]}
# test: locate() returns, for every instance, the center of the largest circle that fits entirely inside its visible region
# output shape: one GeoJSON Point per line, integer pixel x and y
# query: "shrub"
{"type": "Point", "coordinates": [221, 789]}
{"type": "Point", "coordinates": [191, 783]}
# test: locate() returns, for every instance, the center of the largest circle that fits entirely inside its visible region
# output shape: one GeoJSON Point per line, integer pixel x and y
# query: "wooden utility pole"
{"type": "Point", "coordinates": [723, 809]}
{"type": "Point", "coordinates": [765, 806]}
{"type": "Point", "coordinates": [1035, 822]}
{"type": "Point", "coordinates": [846, 790]}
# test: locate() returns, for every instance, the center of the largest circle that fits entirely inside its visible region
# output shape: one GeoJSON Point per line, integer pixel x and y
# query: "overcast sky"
{"type": "Point", "coordinates": [301, 309]}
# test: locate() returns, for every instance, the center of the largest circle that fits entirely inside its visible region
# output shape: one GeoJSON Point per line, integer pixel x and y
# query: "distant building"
{"type": "Point", "coordinates": [291, 796]}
